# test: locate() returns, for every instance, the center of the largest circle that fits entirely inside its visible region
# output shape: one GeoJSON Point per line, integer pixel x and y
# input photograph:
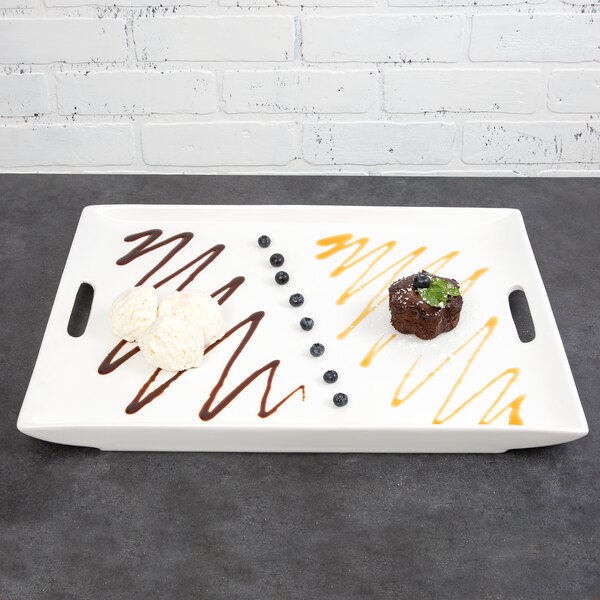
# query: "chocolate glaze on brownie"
{"type": "Point", "coordinates": [411, 314]}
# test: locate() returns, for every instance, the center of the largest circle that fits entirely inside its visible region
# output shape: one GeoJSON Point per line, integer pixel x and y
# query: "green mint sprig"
{"type": "Point", "coordinates": [437, 293]}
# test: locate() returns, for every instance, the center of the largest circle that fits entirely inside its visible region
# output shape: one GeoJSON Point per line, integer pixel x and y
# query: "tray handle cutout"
{"type": "Point", "coordinates": [80, 313]}
{"type": "Point", "coordinates": [519, 309]}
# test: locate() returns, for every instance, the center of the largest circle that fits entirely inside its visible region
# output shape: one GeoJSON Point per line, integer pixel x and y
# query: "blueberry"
{"type": "Point", "coordinates": [281, 277]}
{"type": "Point", "coordinates": [276, 260]}
{"type": "Point", "coordinates": [306, 323]}
{"type": "Point", "coordinates": [296, 300]}
{"type": "Point", "coordinates": [340, 399]}
{"type": "Point", "coordinates": [421, 280]}
{"type": "Point", "coordinates": [264, 241]}
{"type": "Point", "coordinates": [317, 349]}
{"type": "Point", "coordinates": [330, 376]}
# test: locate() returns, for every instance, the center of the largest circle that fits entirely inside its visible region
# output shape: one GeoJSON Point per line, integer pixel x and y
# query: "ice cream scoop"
{"type": "Point", "coordinates": [198, 307]}
{"type": "Point", "coordinates": [133, 311]}
{"type": "Point", "coordinates": [172, 343]}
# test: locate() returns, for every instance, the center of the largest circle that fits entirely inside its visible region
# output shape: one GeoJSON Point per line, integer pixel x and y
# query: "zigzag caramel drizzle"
{"type": "Point", "coordinates": [389, 274]}
{"type": "Point", "coordinates": [112, 362]}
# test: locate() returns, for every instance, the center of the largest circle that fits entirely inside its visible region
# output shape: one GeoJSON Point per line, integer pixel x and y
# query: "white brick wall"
{"type": "Point", "coordinates": [464, 90]}
{"type": "Point", "coordinates": [382, 38]}
{"type": "Point", "coordinates": [136, 93]}
{"type": "Point", "coordinates": [575, 91]}
{"type": "Point", "coordinates": [455, 87]}
{"type": "Point", "coordinates": [533, 143]}
{"type": "Point", "coordinates": [16, 4]}
{"type": "Point", "coordinates": [215, 38]}
{"type": "Point", "coordinates": [373, 143]}
{"type": "Point", "coordinates": [299, 91]}
{"type": "Point", "coordinates": [66, 145]}
{"type": "Point", "coordinates": [542, 37]}
{"type": "Point", "coordinates": [43, 41]}
{"type": "Point", "coordinates": [220, 143]}
{"type": "Point", "coordinates": [24, 95]}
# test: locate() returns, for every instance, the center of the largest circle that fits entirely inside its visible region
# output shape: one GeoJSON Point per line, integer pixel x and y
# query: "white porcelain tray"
{"type": "Point", "coordinates": [489, 394]}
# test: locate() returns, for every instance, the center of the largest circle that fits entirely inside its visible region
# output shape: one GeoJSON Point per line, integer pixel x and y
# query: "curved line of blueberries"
{"type": "Point", "coordinates": [306, 323]}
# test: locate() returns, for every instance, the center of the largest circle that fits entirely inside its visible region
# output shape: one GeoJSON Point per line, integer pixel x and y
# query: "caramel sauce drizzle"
{"type": "Point", "coordinates": [467, 284]}
{"type": "Point", "coordinates": [142, 398]}
{"type": "Point", "coordinates": [346, 241]}
{"type": "Point", "coordinates": [433, 268]}
{"type": "Point", "coordinates": [440, 263]}
{"type": "Point", "coordinates": [342, 242]}
{"type": "Point", "coordinates": [514, 417]}
{"type": "Point", "coordinates": [375, 349]}
{"type": "Point", "coordinates": [512, 374]}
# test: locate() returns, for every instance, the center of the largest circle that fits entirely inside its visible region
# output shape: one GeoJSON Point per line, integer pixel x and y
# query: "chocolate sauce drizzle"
{"type": "Point", "coordinates": [145, 246]}
{"type": "Point", "coordinates": [107, 365]}
{"type": "Point", "coordinates": [140, 400]}
{"type": "Point", "coordinates": [228, 289]}
{"type": "Point", "coordinates": [206, 414]}
{"type": "Point", "coordinates": [184, 238]}
{"type": "Point", "coordinates": [110, 364]}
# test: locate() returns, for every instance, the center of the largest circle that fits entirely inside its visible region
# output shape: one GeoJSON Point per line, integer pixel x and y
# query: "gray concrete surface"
{"type": "Point", "coordinates": [78, 523]}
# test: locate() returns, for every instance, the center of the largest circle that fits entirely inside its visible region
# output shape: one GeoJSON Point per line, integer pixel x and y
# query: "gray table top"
{"type": "Point", "coordinates": [80, 523]}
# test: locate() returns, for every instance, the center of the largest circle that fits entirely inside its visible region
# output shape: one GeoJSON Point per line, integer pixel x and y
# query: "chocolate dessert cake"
{"type": "Point", "coordinates": [425, 305]}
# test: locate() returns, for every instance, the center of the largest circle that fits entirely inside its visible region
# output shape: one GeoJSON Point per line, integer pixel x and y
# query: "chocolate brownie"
{"type": "Point", "coordinates": [411, 314]}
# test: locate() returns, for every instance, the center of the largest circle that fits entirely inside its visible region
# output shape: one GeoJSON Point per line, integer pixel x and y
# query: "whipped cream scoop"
{"type": "Point", "coordinates": [133, 311]}
{"type": "Point", "coordinates": [198, 307]}
{"type": "Point", "coordinates": [172, 343]}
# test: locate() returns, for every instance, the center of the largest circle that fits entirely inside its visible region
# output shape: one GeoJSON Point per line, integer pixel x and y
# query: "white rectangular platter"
{"type": "Point", "coordinates": [477, 388]}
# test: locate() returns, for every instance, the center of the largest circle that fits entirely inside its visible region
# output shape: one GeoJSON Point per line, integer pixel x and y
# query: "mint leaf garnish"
{"type": "Point", "coordinates": [433, 295]}
{"type": "Point", "coordinates": [451, 290]}
{"type": "Point", "coordinates": [437, 293]}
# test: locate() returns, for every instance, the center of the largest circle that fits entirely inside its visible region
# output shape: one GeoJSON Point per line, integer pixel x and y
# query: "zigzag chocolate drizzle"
{"type": "Point", "coordinates": [110, 363]}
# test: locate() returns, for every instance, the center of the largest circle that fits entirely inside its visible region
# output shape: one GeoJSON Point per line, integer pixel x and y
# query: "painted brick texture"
{"type": "Point", "coordinates": [221, 143]}
{"type": "Point", "coordinates": [137, 93]}
{"type": "Point", "coordinates": [382, 38]}
{"type": "Point", "coordinates": [66, 145]}
{"type": "Point", "coordinates": [17, 4]}
{"type": "Point", "coordinates": [535, 143]}
{"type": "Point", "coordinates": [42, 41]}
{"type": "Point", "coordinates": [463, 90]}
{"type": "Point", "coordinates": [24, 95]}
{"type": "Point", "coordinates": [299, 91]}
{"type": "Point", "coordinates": [576, 91]}
{"type": "Point", "coordinates": [378, 143]}
{"type": "Point", "coordinates": [215, 39]}
{"type": "Point", "coordinates": [543, 37]}
{"type": "Point", "coordinates": [380, 87]}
